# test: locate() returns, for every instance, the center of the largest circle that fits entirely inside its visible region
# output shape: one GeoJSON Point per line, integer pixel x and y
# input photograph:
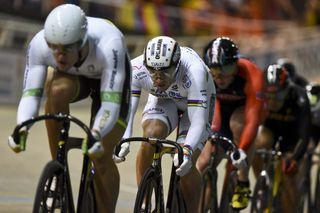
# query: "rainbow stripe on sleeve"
{"type": "Point", "coordinates": [196, 103]}
{"type": "Point", "coordinates": [136, 93]}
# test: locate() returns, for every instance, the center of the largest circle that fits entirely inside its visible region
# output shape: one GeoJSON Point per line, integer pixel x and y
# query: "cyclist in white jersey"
{"type": "Point", "coordinates": [87, 56]}
{"type": "Point", "coordinates": [178, 83]}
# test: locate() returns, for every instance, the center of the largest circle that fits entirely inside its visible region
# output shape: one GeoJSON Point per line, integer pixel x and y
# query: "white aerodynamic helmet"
{"type": "Point", "coordinates": [66, 24]}
{"type": "Point", "coordinates": [161, 53]}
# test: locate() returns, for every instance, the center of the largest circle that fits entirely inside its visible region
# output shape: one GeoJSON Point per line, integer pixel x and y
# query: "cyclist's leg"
{"type": "Point", "coordinates": [289, 194]}
{"type": "Point", "coordinates": [159, 119]}
{"type": "Point", "coordinates": [151, 128]}
{"type": "Point", "coordinates": [240, 198]}
{"type": "Point", "coordinates": [264, 140]}
{"type": "Point", "coordinates": [191, 186]}
{"type": "Point", "coordinates": [106, 177]}
{"type": "Point", "coordinates": [204, 157]}
{"type": "Point", "coordinates": [61, 89]}
{"type": "Point", "coordinates": [224, 130]}
{"type": "Point", "coordinates": [191, 183]}
{"type": "Point", "coordinates": [290, 181]}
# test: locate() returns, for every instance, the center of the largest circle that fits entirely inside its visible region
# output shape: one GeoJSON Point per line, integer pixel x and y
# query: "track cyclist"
{"type": "Point", "coordinates": [88, 57]}
{"type": "Point", "coordinates": [239, 108]}
{"type": "Point", "coordinates": [178, 83]}
{"type": "Point", "coordinates": [288, 118]}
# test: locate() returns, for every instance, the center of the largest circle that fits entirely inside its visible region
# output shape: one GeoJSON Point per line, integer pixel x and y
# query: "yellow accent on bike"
{"type": "Point", "coordinates": [84, 146]}
{"type": "Point", "coordinates": [122, 123]}
{"type": "Point", "coordinates": [61, 143]}
{"type": "Point", "coordinates": [277, 179]}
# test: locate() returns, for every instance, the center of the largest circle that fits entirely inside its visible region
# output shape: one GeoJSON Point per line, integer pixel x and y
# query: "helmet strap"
{"type": "Point", "coordinates": [81, 59]}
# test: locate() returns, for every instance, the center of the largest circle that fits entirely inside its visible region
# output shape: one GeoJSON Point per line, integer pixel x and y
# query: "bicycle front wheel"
{"type": "Point", "coordinates": [316, 199]}
{"type": "Point", "coordinates": [261, 196]}
{"type": "Point", "coordinates": [227, 193]}
{"type": "Point", "coordinates": [149, 196]}
{"type": "Point", "coordinates": [53, 190]}
{"type": "Point", "coordinates": [209, 198]}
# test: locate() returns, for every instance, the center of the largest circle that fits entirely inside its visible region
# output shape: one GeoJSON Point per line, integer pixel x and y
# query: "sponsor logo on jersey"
{"type": "Point", "coordinates": [230, 97]}
{"type": "Point", "coordinates": [174, 95]}
{"type": "Point", "coordinates": [140, 76]}
{"type": "Point", "coordinates": [155, 110]}
{"type": "Point", "coordinates": [115, 67]}
{"type": "Point", "coordinates": [186, 81]}
{"type": "Point", "coordinates": [104, 119]}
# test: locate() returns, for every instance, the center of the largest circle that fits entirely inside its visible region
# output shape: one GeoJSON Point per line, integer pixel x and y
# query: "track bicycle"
{"type": "Point", "coordinates": [150, 195]}
{"type": "Point", "coordinates": [316, 200]}
{"type": "Point", "coordinates": [309, 196]}
{"type": "Point", "coordinates": [304, 187]}
{"type": "Point", "coordinates": [209, 199]}
{"type": "Point", "coordinates": [54, 192]}
{"type": "Point", "coordinates": [268, 188]}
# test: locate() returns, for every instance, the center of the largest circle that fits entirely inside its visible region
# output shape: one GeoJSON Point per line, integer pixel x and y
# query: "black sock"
{"type": "Point", "coordinates": [243, 183]}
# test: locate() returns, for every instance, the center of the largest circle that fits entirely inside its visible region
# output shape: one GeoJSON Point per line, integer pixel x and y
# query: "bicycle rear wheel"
{"type": "Point", "coordinates": [53, 191]}
{"type": "Point", "coordinates": [261, 196]}
{"type": "Point", "coordinates": [149, 196]}
{"type": "Point", "coordinates": [316, 206]}
{"type": "Point", "coordinates": [209, 199]}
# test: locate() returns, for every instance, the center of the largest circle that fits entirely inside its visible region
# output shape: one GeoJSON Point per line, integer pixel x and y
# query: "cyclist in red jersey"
{"type": "Point", "coordinates": [239, 108]}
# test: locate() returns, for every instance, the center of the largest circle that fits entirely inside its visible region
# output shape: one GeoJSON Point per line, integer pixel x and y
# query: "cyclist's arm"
{"type": "Point", "coordinates": [34, 78]}
{"type": "Point", "coordinates": [198, 102]}
{"type": "Point", "coordinates": [216, 120]}
{"type": "Point", "coordinates": [135, 97]}
{"type": "Point", "coordinates": [304, 121]}
{"type": "Point", "coordinates": [112, 82]}
{"type": "Point", "coordinates": [254, 107]}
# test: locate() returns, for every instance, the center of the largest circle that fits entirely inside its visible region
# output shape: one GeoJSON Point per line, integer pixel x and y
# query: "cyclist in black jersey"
{"type": "Point", "coordinates": [288, 118]}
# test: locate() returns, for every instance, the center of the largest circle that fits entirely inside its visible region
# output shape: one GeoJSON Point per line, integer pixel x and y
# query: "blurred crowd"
{"type": "Point", "coordinates": [185, 17]}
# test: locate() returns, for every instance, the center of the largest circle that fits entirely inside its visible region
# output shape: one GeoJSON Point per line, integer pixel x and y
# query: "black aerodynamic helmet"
{"type": "Point", "coordinates": [220, 51]}
{"type": "Point", "coordinates": [275, 78]}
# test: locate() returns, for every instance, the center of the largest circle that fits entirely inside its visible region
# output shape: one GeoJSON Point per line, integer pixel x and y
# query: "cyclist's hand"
{"type": "Point", "coordinates": [187, 161]}
{"type": "Point", "coordinates": [239, 159]}
{"type": "Point", "coordinates": [125, 149]}
{"type": "Point", "coordinates": [289, 166]}
{"type": "Point", "coordinates": [97, 149]}
{"type": "Point", "coordinates": [18, 146]}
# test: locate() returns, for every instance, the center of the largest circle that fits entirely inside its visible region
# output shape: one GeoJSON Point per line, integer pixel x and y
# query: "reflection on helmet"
{"type": "Point", "coordinates": [161, 53]}
{"type": "Point", "coordinates": [220, 52]}
{"type": "Point", "coordinates": [66, 24]}
{"type": "Point", "coordinates": [275, 78]}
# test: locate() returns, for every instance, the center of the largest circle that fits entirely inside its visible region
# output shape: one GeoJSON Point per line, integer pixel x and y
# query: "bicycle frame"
{"type": "Point", "coordinates": [160, 150]}
{"type": "Point", "coordinates": [228, 146]}
{"type": "Point", "coordinates": [272, 174]}
{"type": "Point", "coordinates": [64, 145]}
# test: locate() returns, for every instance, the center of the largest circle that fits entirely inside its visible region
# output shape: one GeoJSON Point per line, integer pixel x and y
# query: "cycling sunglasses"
{"type": "Point", "coordinates": [167, 72]}
{"type": "Point", "coordinates": [74, 47]}
{"type": "Point", "coordinates": [227, 70]}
